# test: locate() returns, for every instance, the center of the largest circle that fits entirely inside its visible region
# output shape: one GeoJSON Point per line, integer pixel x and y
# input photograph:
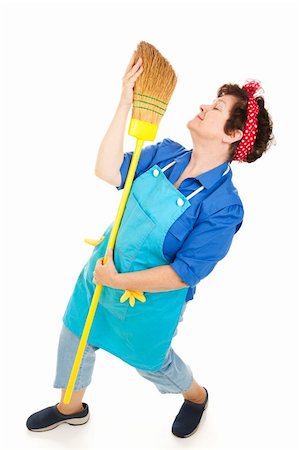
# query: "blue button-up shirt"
{"type": "Point", "coordinates": [203, 234]}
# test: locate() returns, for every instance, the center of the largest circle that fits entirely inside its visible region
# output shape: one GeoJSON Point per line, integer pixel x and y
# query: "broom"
{"type": "Point", "coordinates": [152, 92]}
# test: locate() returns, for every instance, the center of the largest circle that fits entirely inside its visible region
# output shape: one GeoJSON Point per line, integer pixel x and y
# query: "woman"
{"type": "Point", "coordinates": [189, 235]}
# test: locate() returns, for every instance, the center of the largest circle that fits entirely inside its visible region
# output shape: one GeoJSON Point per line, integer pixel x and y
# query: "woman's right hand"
{"type": "Point", "coordinates": [128, 81]}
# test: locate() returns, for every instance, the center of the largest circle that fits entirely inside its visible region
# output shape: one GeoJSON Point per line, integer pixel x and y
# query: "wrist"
{"type": "Point", "coordinates": [118, 281]}
{"type": "Point", "coordinates": [124, 106]}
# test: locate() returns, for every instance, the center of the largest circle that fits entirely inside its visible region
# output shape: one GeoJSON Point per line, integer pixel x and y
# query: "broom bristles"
{"type": "Point", "coordinates": [154, 87]}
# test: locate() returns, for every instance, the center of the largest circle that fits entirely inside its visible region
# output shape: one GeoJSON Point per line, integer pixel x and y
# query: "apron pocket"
{"type": "Point", "coordinates": [135, 227]}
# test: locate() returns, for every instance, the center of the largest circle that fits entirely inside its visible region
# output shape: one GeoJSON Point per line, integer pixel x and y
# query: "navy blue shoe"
{"type": "Point", "coordinates": [50, 418]}
{"type": "Point", "coordinates": [188, 418]}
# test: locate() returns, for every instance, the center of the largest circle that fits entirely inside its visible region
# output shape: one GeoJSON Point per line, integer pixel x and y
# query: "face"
{"type": "Point", "coordinates": [208, 124]}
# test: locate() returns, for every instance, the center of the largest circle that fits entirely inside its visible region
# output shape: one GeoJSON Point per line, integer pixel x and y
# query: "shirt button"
{"type": "Point", "coordinates": [155, 172]}
{"type": "Point", "coordinates": [180, 201]}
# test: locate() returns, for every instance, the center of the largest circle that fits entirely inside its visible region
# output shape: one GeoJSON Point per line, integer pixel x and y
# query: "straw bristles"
{"type": "Point", "coordinates": [154, 87]}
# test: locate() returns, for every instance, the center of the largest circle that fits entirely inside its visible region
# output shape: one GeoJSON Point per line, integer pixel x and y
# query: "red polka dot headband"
{"type": "Point", "coordinates": [253, 88]}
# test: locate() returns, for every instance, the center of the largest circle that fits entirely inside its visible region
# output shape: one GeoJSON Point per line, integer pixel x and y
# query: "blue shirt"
{"type": "Point", "coordinates": [203, 234]}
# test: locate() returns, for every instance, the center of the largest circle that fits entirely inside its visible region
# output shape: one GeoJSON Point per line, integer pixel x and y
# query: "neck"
{"type": "Point", "coordinates": [202, 161]}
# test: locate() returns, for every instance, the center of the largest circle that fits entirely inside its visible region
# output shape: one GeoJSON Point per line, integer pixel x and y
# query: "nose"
{"type": "Point", "coordinates": [203, 108]}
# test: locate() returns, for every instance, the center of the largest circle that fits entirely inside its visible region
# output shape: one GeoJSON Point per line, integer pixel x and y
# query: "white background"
{"type": "Point", "coordinates": [62, 64]}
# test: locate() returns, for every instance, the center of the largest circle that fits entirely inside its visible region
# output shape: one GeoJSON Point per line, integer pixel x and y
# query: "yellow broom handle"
{"type": "Point", "coordinates": [98, 289]}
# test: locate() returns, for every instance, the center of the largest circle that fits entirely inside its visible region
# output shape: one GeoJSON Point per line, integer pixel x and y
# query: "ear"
{"type": "Point", "coordinates": [234, 136]}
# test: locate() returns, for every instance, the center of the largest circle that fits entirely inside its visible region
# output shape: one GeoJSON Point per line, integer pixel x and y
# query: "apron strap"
{"type": "Point", "coordinates": [227, 169]}
{"type": "Point", "coordinates": [201, 187]}
{"type": "Point", "coordinates": [168, 165]}
{"type": "Point", "coordinates": [195, 192]}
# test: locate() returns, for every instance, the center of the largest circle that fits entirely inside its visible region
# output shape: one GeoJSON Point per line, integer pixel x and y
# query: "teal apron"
{"type": "Point", "coordinates": [141, 334]}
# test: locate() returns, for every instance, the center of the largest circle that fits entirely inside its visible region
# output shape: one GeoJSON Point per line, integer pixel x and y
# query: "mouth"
{"type": "Point", "coordinates": [199, 117]}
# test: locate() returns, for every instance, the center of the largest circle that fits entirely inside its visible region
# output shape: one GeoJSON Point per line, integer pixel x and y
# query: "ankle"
{"type": "Point", "coordinates": [66, 409]}
{"type": "Point", "coordinates": [196, 396]}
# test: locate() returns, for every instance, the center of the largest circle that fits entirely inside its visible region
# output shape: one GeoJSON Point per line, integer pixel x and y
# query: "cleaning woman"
{"type": "Point", "coordinates": [181, 216]}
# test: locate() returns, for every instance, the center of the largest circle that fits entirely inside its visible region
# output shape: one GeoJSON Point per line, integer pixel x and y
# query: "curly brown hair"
{"type": "Point", "coordinates": [237, 121]}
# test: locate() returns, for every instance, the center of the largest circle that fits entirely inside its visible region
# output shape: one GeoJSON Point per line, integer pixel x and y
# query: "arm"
{"type": "Point", "coordinates": [204, 247]}
{"type": "Point", "coordinates": [110, 153]}
{"type": "Point", "coordinates": [207, 244]}
{"type": "Point", "coordinates": [156, 279]}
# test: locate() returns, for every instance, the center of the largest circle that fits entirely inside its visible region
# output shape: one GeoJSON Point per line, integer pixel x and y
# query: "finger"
{"type": "Point", "coordinates": [134, 68]}
{"type": "Point", "coordinates": [134, 77]}
{"type": "Point", "coordinates": [131, 81]}
{"type": "Point", "coordinates": [131, 62]}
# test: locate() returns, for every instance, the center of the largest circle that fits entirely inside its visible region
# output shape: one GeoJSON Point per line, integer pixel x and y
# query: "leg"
{"type": "Point", "coordinates": [76, 412]}
{"type": "Point", "coordinates": [174, 377]}
{"type": "Point", "coordinates": [67, 349]}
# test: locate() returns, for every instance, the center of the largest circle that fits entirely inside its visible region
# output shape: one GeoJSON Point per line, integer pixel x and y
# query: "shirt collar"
{"type": "Point", "coordinates": [209, 178]}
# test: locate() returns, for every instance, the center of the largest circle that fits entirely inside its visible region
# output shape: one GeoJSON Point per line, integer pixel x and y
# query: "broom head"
{"type": "Point", "coordinates": [152, 92]}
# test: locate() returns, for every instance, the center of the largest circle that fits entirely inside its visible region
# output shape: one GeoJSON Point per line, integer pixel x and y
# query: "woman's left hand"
{"type": "Point", "coordinates": [105, 274]}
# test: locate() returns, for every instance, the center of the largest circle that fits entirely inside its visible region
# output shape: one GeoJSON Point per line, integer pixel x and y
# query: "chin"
{"type": "Point", "coordinates": [189, 124]}
{"type": "Point", "coordinates": [192, 126]}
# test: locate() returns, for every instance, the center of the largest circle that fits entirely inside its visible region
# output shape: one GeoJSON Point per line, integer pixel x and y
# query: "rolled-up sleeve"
{"type": "Point", "coordinates": [207, 243]}
{"type": "Point", "coordinates": [147, 157]}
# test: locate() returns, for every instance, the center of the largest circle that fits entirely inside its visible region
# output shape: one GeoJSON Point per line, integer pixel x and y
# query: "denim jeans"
{"type": "Point", "coordinates": [174, 376]}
